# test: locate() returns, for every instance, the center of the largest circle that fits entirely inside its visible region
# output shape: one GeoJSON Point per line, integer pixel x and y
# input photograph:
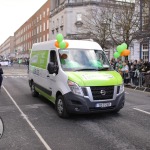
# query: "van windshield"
{"type": "Point", "coordinates": [82, 60]}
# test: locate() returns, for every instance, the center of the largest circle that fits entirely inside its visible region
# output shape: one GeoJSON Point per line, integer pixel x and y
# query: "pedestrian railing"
{"type": "Point", "coordinates": [140, 80]}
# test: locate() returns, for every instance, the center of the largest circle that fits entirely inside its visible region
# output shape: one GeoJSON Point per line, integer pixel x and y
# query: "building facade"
{"type": "Point", "coordinates": [66, 17]}
{"type": "Point", "coordinates": [7, 48]}
{"type": "Point", "coordinates": [141, 46]}
{"type": "Point", "coordinates": [35, 29]}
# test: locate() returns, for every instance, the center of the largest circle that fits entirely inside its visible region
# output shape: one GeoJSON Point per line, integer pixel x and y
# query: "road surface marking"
{"type": "Point", "coordinates": [16, 76]}
{"type": "Point", "coordinates": [126, 93]}
{"type": "Point", "coordinates": [28, 121]}
{"type": "Point", "coordinates": [146, 112]}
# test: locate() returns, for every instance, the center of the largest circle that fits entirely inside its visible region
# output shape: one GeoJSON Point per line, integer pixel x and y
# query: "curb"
{"type": "Point", "coordinates": [143, 89]}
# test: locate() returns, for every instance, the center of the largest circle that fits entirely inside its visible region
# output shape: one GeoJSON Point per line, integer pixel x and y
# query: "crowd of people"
{"type": "Point", "coordinates": [135, 72]}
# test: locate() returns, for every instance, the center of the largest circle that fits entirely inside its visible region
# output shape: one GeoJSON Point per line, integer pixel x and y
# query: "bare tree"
{"type": "Point", "coordinates": [124, 23]}
{"type": "Point", "coordinates": [116, 22]}
{"type": "Point", "coordinates": [96, 25]}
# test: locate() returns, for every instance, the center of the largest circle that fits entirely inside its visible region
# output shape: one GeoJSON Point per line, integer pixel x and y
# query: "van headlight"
{"type": "Point", "coordinates": [75, 88]}
{"type": "Point", "coordinates": [120, 89]}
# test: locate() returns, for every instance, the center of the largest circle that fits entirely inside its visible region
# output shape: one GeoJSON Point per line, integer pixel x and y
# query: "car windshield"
{"type": "Point", "coordinates": [82, 60]}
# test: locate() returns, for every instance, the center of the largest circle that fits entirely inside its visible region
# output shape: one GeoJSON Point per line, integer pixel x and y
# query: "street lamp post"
{"type": "Point", "coordinates": [141, 22]}
{"type": "Point", "coordinates": [149, 49]}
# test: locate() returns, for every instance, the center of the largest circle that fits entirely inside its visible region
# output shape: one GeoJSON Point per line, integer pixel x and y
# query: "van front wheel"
{"type": "Point", "coordinates": [61, 107]}
{"type": "Point", "coordinates": [33, 91]}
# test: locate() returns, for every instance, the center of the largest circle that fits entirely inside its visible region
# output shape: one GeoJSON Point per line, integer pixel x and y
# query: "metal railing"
{"type": "Point", "coordinates": [140, 80]}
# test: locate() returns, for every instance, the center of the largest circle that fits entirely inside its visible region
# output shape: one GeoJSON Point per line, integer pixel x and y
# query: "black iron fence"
{"type": "Point", "coordinates": [136, 79]}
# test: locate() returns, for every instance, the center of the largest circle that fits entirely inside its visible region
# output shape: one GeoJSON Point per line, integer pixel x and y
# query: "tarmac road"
{"type": "Point", "coordinates": [32, 123]}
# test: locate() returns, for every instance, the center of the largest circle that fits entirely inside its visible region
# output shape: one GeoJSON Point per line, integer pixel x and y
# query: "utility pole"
{"type": "Point", "coordinates": [141, 23]}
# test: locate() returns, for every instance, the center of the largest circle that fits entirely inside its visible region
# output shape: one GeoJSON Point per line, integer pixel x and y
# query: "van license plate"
{"type": "Point", "coordinates": [103, 105]}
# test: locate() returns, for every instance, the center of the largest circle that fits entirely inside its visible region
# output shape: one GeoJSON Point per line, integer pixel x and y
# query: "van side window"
{"type": "Point", "coordinates": [53, 57]}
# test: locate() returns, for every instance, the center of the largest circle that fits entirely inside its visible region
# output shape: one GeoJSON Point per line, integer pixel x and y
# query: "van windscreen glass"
{"type": "Point", "coordinates": [83, 59]}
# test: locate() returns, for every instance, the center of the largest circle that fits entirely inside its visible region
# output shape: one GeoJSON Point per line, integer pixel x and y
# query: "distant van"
{"type": "Point", "coordinates": [78, 79]}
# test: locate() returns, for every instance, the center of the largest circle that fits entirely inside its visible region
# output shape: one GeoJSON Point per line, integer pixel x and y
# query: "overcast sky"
{"type": "Point", "coordinates": [14, 13]}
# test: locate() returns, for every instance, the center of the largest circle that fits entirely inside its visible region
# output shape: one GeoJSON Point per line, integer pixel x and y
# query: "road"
{"type": "Point", "coordinates": [32, 123]}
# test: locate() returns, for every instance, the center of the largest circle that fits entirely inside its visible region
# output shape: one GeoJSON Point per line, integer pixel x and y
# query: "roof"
{"type": "Point", "coordinates": [80, 44]}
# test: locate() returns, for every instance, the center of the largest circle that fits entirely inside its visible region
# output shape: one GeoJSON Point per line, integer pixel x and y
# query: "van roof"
{"type": "Point", "coordinates": [81, 44]}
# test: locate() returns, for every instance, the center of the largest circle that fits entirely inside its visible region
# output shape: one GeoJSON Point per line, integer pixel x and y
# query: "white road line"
{"type": "Point", "coordinates": [126, 93]}
{"type": "Point", "coordinates": [28, 121]}
{"type": "Point", "coordinates": [146, 112]}
{"type": "Point", "coordinates": [15, 76]}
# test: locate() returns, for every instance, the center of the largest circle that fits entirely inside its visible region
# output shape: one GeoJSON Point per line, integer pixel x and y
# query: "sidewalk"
{"type": "Point", "coordinates": [144, 89]}
{"type": "Point", "coordinates": [15, 70]}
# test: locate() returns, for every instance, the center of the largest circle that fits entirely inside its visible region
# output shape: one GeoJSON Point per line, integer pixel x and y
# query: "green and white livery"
{"type": "Point", "coordinates": [78, 79]}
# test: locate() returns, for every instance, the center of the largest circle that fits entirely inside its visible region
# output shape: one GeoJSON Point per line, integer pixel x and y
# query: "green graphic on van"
{"type": "Point", "coordinates": [101, 78]}
{"type": "Point", "coordinates": [39, 58]}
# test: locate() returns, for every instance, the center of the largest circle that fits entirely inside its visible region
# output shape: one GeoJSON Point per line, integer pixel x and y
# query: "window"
{"type": "Point", "coordinates": [47, 24]}
{"type": "Point", "coordinates": [82, 59]}
{"type": "Point", "coordinates": [47, 11]}
{"type": "Point", "coordinates": [37, 19]}
{"type": "Point", "coordinates": [57, 22]}
{"type": "Point", "coordinates": [40, 17]}
{"type": "Point", "coordinates": [47, 36]}
{"type": "Point", "coordinates": [40, 28]}
{"type": "Point", "coordinates": [53, 24]}
{"type": "Point", "coordinates": [53, 57]}
{"type": "Point", "coordinates": [44, 14]}
{"type": "Point", "coordinates": [118, 27]}
{"type": "Point", "coordinates": [62, 20]}
{"type": "Point", "coordinates": [145, 46]}
{"type": "Point", "coordinates": [44, 26]}
{"type": "Point", "coordinates": [146, 19]}
{"type": "Point", "coordinates": [43, 37]}
{"type": "Point", "coordinates": [57, 2]}
{"type": "Point", "coordinates": [37, 29]}
{"type": "Point", "coordinates": [145, 56]}
{"type": "Point", "coordinates": [79, 16]}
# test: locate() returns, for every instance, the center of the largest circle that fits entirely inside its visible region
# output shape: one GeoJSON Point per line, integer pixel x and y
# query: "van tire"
{"type": "Point", "coordinates": [33, 91]}
{"type": "Point", "coordinates": [61, 107]}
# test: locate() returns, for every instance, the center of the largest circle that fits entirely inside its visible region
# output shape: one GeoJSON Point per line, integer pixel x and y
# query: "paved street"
{"type": "Point", "coordinates": [15, 70]}
{"type": "Point", "coordinates": [32, 123]}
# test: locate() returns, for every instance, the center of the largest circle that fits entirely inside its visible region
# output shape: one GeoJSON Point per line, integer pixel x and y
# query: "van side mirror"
{"type": "Point", "coordinates": [52, 68]}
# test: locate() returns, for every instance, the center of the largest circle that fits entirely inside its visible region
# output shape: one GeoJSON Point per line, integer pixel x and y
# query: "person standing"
{"type": "Point", "coordinates": [19, 61]}
{"type": "Point", "coordinates": [1, 77]}
{"type": "Point", "coordinates": [27, 63]}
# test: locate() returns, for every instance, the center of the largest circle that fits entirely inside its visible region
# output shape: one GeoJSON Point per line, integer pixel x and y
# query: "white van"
{"type": "Point", "coordinates": [78, 79]}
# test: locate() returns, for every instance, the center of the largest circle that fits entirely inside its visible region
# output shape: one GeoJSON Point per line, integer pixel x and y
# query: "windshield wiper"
{"type": "Point", "coordinates": [99, 69]}
{"type": "Point", "coordinates": [86, 69]}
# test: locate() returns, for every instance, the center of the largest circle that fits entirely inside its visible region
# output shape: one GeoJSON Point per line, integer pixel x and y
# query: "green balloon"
{"type": "Point", "coordinates": [59, 38]}
{"type": "Point", "coordinates": [120, 48]}
{"type": "Point", "coordinates": [62, 45]}
{"type": "Point", "coordinates": [116, 54]}
{"type": "Point", "coordinates": [124, 45]}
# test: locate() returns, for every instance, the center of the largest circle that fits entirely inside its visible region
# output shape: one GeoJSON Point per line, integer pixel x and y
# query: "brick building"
{"type": "Point", "coordinates": [6, 49]}
{"type": "Point", "coordinates": [35, 29]}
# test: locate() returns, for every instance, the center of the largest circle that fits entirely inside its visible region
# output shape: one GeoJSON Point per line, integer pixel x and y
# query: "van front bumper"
{"type": "Point", "coordinates": [79, 104]}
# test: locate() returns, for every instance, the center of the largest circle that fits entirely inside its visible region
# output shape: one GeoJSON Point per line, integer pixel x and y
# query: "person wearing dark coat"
{"type": "Point", "coordinates": [1, 77]}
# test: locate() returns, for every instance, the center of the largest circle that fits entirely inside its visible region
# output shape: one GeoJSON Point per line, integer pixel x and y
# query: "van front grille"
{"type": "Point", "coordinates": [102, 92]}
